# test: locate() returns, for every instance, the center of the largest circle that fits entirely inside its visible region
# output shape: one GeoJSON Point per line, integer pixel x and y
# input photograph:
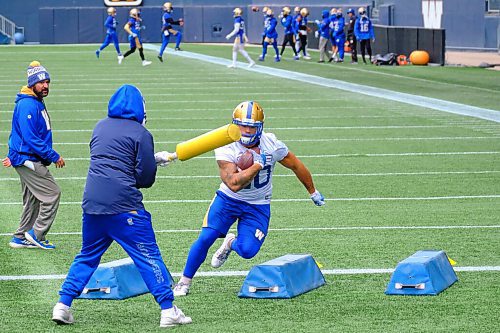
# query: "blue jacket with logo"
{"type": "Point", "coordinates": [363, 28]}
{"type": "Point", "coordinates": [31, 134]}
{"type": "Point", "coordinates": [121, 157]}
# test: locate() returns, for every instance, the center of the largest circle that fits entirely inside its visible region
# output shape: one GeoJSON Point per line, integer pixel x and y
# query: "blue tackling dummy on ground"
{"type": "Point", "coordinates": [283, 277]}
{"type": "Point", "coordinates": [117, 279]}
{"type": "Point", "coordinates": [423, 273]}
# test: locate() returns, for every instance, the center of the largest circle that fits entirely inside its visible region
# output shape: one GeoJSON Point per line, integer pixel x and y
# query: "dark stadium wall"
{"type": "Point", "coordinates": [77, 21]}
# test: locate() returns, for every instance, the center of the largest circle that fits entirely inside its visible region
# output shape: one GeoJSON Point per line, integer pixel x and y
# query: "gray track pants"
{"type": "Point", "coordinates": [41, 197]}
{"type": "Point", "coordinates": [322, 48]}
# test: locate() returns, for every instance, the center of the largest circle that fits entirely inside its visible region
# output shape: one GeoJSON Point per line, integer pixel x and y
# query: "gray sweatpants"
{"type": "Point", "coordinates": [322, 48]}
{"type": "Point", "coordinates": [41, 197]}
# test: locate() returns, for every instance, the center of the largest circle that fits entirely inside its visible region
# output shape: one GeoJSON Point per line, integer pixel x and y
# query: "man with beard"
{"type": "Point", "coordinates": [30, 152]}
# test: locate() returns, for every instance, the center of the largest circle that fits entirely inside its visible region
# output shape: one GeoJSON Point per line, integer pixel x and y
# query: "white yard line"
{"type": "Point", "coordinates": [422, 101]}
{"type": "Point", "coordinates": [269, 129]}
{"type": "Point", "coordinates": [341, 271]}
{"type": "Point", "coordinates": [450, 197]}
{"type": "Point", "coordinates": [354, 155]}
{"type": "Point", "coordinates": [369, 228]}
{"type": "Point", "coordinates": [375, 174]}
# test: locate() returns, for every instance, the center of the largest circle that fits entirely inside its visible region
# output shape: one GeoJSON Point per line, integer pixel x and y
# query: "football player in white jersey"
{"type": "Point", "coordinates": [243, 195]}
{"type": "Point", "coordinates": [240, 40]}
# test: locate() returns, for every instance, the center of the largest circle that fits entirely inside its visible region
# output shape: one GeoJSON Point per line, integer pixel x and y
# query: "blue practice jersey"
{"type": "Point", "coordinates": [338, 27]}
{"type": "Point", "coordinates": [111, 24]}
{"type": "Point", "coordinates": [270, 27]}
{"type": "Point", "coordinates": [241, 31]}
{"type": "Point", "coordinates": [135, 25]}
{"type": "Point", "coordinates": [363, 28]}
{"type": "Point", "coordinates": [323, 27]}
{"type": "Point", "coordinates": [287, 22]}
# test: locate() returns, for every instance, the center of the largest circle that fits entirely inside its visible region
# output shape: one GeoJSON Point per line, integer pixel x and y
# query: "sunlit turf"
{"type": "Point", "coordinates": [380, 164]}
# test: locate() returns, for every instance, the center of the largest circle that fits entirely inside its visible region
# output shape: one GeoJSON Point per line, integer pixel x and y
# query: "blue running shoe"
{"type": "Point", "coordinates": [296, 57]}
{"type": "Point", "coordinates": [261, 58]}
{"type": "Point", "coordinates": [46, 245]}
{"type": "Point", "coordinates": [19, 243]}
{"type": "Point", "coordinates": [277, 59]}
{"type": "Point", "coordinates": [97, 52]}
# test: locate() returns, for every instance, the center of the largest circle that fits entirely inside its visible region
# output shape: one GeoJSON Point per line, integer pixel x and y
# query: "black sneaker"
{"type": "Point", "coordinates": [160, 58]}
{"type": "Point", "coordinates": [330, 60]}
{"type": "Point", "coordinates": [178, 49]}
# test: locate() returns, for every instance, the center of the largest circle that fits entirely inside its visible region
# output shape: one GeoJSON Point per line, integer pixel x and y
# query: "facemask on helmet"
{"type": "Point", "coordinates": [251, 114]}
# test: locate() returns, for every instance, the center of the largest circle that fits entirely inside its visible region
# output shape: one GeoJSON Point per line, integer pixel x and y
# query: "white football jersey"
{"type": "Point", "coordinates": [259, 191]}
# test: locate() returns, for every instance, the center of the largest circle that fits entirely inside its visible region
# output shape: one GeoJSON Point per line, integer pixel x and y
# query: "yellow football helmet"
{"type": "Point", "coordinates": [265, 9]}
{"type": "Point", "coordinates": [296, 10]}
{"type": "Point", "coordinates": [249, 113]}
{"type": "Point", "coordinates": [333, 11]}
{"type": "Point", "coordinates": [111, 11]}
{"type": "Point", "coordinates": [304, 12]}
{"type": "Point", "coordinates": [135, 13]}
{"type": "Point", "coordinates": [269, 12]}
{"type": "Point", "coordinates": [361, 11]}
{"type": "Point", "coordinates": [167, 6]}
{"type": "Point", "coordinates": [237, 12]}
{"type": "Point", "coordinates": [286, 10]}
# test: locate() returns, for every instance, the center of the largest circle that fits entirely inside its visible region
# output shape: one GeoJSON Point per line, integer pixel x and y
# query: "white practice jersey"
{"type": "Point", "coordinates": [260, 190]}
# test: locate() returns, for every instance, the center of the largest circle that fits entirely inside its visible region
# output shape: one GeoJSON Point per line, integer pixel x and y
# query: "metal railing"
{"type": "Point", "coordinates": [8, 28]}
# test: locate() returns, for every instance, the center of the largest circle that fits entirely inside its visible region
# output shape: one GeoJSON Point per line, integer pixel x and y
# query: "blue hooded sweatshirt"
{"type": "Point", "coordinates": [31, 134]}
{"type": "Point", "coordinates": [121, 157]}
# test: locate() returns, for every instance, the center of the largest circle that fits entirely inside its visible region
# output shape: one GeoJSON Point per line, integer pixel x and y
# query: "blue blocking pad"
{"type": "Point", "coordinates": [283, 277]}
{"type": "Point", "coordinates": [423, 273]}
{"type": "Point", "coordinates": [117, 279]}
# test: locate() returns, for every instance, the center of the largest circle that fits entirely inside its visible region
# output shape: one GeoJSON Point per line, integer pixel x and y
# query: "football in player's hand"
{"type": "Point", "coordinates": [245, 161]}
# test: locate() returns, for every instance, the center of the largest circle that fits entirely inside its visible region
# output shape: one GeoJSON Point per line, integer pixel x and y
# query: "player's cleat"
{"type": "Point", "coordinates": [97, 53]}
{"type": "Point", "coordinates": [306, 57]}
{"type": "Point", "coordinates": [178, 49]}
{"type": "Point", "coordinates": [46, 245]}
{"type": "Point", "coordinates": [173, 317]}
{"type": "Point", "coordinates": [321, 61]}
{"type": "Point", "coordinates": [261, 58]}
{"type": "Point", "coordinates": [160, 58]}
{"type": "Point", "coordinates": [19, 243]}
{"type": "Point", "coordinates": [220, 256]}
{"type": "Point", "coordinates": [62, 315]}
{"type": "Point", "coordinates": [330, 60]}
{"type": "Point", "coordinates": [277, 59]}
{"type": "Point", "coordinates": [354, 62]}
{"type": "Point", "coordinates": [231, 66]}
{"type": "Point", "coordinates": [146, 63]}
{"type": "Point", "coordinates": [250, 65]}
{"type": "Point", "coordinates": [339, 60]}
{"type": "Point", "coordinates": [120, 59]}
{"type": "Point", "coordinates": [296, 57]}
{"type": "Point", "coordinates": [181, 289]}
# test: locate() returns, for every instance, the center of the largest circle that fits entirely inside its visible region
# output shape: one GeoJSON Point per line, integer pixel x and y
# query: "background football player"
{"type": "Point", "coordinates": [288, 25]}
{"type": "Point", "coordinates": [133, 28]}
{"type": "Point", "coordinates": [111, 35]}
{"type": "Point", "coordinates": [303, 29]}
{"type": "Point", "coordinates": [243, 195]}
{"type": "Point", "coordinates": [363, 29]}
{"type": "Point", "coordinates": [351, 37]}
{"type": "Point", "coordinates": [240, 40]}
{"type": "Point", "coordinates": [270, 35]}
{"type": "Point", "coordinates": [338, 36]}
{"type": "Point", "coordinates": [167, 30]}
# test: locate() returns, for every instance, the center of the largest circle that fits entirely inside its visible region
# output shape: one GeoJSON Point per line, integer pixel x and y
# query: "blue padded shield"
{"type": "Point", "coordinates": [423, 273]}
{"type": "Point", "coordinates": [117, 279]}
{"type": "Point", "coordinates": [283, 277]}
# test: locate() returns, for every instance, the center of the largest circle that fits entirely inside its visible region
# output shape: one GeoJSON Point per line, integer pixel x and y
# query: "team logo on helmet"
{"type": "Point", "coordinates": [249, 113]}
{"type": "Point", "coordinates": [237, 12]}
{"type": "Point", "coordinates": [135, 13]}
{"type": "Point", "coordinates": [167, 6]}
